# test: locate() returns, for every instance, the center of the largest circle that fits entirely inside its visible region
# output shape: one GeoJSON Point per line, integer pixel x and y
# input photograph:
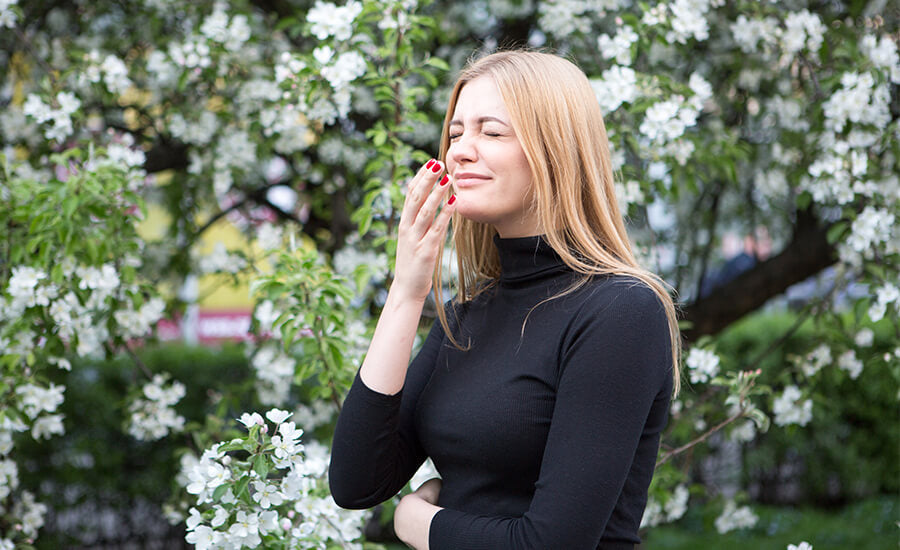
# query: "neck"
{"type": "Point", "coordinates": [527, 259]}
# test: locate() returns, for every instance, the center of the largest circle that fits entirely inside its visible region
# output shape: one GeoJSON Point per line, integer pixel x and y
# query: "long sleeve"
{"type": "Point", "coordinates": [611, 405]}
{"type": "Point", "coordinates": [375, 450]}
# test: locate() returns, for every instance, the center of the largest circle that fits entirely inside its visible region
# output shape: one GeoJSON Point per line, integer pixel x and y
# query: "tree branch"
{"type": "Point", "coordinates": [700, 439]}
{"type": "Point", "coordinates": [807, 254]}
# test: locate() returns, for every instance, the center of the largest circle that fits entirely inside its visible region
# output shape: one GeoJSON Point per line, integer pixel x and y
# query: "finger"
{"type": "Point", "coordinates": [425, 215]}
{"type": "Point", "coordinates": [420, 173]}
{"type": "Point", "coordinates": [438, 230]}
{"type": "Point", "coordinates": [422, 191]}
{"type": "Point", "coordinates": [426, 171]}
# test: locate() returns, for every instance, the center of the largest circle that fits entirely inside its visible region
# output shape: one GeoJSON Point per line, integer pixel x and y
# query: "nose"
{"type": "Point", "coordinates": [462, 150]}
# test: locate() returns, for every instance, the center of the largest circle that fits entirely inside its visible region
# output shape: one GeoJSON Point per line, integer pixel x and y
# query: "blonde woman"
{"type": "Point", "coordinates": [541, 391]}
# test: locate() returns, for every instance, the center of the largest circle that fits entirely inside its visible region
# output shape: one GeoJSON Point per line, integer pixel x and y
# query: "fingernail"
{"type": "Point", "coordinates": [430, 162]}
{"type": "Point", "coordinates": [437, 167]}
{"type": "Point", "coordinates": [452, 200]}
{"type": "Point", "coordinates": [444, 180]}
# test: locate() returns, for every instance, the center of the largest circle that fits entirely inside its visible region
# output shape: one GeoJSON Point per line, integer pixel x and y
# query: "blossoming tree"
{"type": "Point", "coordinates": [723, 116]}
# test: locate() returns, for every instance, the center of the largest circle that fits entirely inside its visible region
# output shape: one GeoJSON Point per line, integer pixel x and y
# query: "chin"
{"type": "Point", "coordinates": [472, 212]}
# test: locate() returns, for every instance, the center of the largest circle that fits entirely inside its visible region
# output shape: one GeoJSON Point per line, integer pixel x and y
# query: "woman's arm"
{"type": "Point", "coordinates": [611, 405]}
{"type": "Point", "coordinates": [374, 450]}
{"type": "Point", "coordinates": [420, 242]}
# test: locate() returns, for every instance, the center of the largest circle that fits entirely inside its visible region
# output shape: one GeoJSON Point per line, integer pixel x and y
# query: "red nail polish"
{"type": "Point", "coordinates": [444, 180]}
{"type": "Point", "coordinates": [436, 168]}
{"type": "Point", "coordinates": [430, 162]}
{"type": "Point", "coordinates": [452, 200]}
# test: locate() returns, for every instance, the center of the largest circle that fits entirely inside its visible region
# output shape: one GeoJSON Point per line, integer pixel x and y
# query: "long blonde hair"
{"type": "Point", "coordinates": [558, 122]}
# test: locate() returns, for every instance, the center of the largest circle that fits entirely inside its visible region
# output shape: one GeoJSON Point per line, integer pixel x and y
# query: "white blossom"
{"type": "Point", "coordinates": [154, 417]}
{"type": "Point", "coordinates": [36, 399]}
{"type": "Point", "coordinates": [667, 120]}
{"type": "Point", "coordinates": [733, 518]}
{"type": "Point", "coordinates": [7, 16]}
{"type": "Point", "coordinates": [791, 408]}
{"type": "Point", "coordinates": [266, 495]}
{"type": "Point", "coordinates": [203, 537]}
{"type": "Point", "coordinates": [9, 477]}
{"type": "Point", "coordinates": [676, 506]}
{"type": "Point", "coordinates": [318, 413]}
{"type": "Point", "coordinates": [748, 33]}
{"type": "Point", "coordinates": [688, 20]}
{"type": "Point", "coordinates": [563, 17]}
{"type": "Point", "coordinates": [220, 261]}
{"type": "Point", "coordinates": [817, 359]}
{"type": "Point", "coordinates": [618, 47]}
{"type": "Point", "coordinates": [703, 365]}
{"type": "Point", "coordinates": [197, 132]}
{"type": "Point", "coordinates": [251, 419]}
{"type": "Point", "coordinates": [864, 337]}
{"type": "Point", "coordinates": [30, 512]}
{"type": "Point", "coordinates": [859, 101]}
{"type": "Point", "coordinates": [883, 54]}
{"type": "Point", "coordinates": [803, 30]}
{"type": "Point", "coordinates": [615, 86]}
{"type": "Point", "coordinates": [802, 546]}
{"type": "Point", "coordinates": [870, 228]}
{"type": "Point", "coordinates": [245, 530]}
{"type": "Point", "coordinates": [274, 371]}
{"type": "Point", "coordinates": [277, 415]}
{"type": "Point", "coordinates": [629, 193]}
{"type": "Point", "coordinates": [743, 432]}
{"type": "Point", "coordinates": [884, 296]}
{"type": "Point", "coordinates": [46, 426]}
{"type": "Point", "coordinates": [193, 53]}
{"type": "Point", "coordinates": [850, 363]}
{"type": "Point", "coordinates": [137, 323]}
{"type": "Point", "coordinates": [345, 69]}
{"type": "Point", "coordinates": [115, 74]}
{"type": "Point", "coordinates": [328, 19]}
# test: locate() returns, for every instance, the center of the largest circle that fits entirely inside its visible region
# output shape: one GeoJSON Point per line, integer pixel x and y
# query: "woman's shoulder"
{"type": "Point", "coordinates": [619, 286]}
{"type": "Point", "coordinates": [619, 290]}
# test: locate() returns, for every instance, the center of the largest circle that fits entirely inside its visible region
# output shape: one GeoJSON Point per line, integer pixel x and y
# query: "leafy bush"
{"type": "Point", "coordinates": [101, 484]}
{"type": "Point", "coordinates": [851, 448]}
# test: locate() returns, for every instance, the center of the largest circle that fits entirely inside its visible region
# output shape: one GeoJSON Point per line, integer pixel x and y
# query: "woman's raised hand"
{"type": "Point", "coordinates": [422, 230]}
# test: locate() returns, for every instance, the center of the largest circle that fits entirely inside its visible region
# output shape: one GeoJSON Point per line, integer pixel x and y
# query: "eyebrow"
{"type": "Point", "coordinates": [480, 120]}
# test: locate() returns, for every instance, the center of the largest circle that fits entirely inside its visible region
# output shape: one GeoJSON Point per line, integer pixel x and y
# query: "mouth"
{"type": "Point", "coordinates": [468, 179]}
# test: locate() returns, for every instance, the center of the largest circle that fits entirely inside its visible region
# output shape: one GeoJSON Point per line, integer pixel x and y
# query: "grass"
{"type": "Point", "coordinates": [867, 525]}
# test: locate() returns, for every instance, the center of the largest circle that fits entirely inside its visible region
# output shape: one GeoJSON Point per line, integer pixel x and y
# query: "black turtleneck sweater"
{"type": "Point", "coordinates": [545, 438]}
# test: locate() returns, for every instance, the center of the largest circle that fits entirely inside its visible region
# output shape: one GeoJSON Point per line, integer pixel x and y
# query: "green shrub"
{"type": "Point", "coordinates": [96, 474]}
{"type": "Point", "coordinates": [851, 448]}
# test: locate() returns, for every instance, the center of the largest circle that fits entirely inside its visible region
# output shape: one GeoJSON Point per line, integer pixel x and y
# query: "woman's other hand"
{"type": "Point", "coordinates": [412, 517]}
{"type": "Point", "coordinates": [422, 231]}
{"type": "Point", "coordinates": [430, 490]}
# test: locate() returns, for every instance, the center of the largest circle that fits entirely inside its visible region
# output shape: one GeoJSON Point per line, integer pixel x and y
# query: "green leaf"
{"type": "Point", "coordinates": [836, 231]}
{"type": "Point", "coordinates": [219, 492]}
{"type": "Point", "coordinates": [232, 446]}
{"type": "Point", "coordinates": [241, 486]}
{"type": "Point", "coordinates": [261, 466]}
{"type": "Point", "coordinates": [437, 63]}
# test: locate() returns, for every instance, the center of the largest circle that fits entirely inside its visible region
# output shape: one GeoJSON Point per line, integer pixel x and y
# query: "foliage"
{"type": "Point", "coordinates": [868, 525]}
{"type": "Point", "coordinates": [75, 475]}
{"type": "Point", "coordinates": [300, 122]}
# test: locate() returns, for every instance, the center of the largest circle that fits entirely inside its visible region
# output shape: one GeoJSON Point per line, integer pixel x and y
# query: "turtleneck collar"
{"type": "Point", "coordinates": [526, 259]}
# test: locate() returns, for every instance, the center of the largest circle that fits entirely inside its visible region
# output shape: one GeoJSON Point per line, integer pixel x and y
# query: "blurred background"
{"type": "Point", "coordinates": [199, 202]}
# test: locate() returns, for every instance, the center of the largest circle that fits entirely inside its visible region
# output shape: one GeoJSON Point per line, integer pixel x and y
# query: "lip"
{"type": "Point", "coordinates": [468, 179]}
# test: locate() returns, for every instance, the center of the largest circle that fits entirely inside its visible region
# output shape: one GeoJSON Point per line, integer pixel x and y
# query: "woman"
{"type": "Point", "coordinates": [542, 391]}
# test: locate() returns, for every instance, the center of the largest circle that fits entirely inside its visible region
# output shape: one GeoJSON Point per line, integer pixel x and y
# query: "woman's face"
{"type": "Point", "coordinates": [488, 168]}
